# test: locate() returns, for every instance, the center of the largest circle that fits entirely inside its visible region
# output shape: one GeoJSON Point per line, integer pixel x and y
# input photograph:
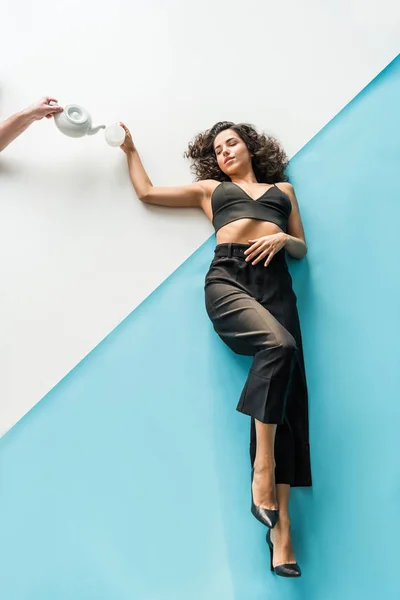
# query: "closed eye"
{"type": "Point", "coordinates": [230, 142]}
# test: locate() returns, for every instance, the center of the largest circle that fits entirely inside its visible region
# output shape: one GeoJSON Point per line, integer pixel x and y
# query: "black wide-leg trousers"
{"type": "Point", "coordinates": [254, 311]}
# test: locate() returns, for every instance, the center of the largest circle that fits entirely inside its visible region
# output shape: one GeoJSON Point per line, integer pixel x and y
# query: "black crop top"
{"type": "Point", "coordinates": [230, 202]}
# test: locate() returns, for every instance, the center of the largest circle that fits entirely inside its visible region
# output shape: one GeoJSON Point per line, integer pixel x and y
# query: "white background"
{"type": "Point", "coordinates": [78, 251]}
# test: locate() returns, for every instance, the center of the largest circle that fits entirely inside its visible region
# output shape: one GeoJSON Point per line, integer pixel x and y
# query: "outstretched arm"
{"type": "Point", "coordinates": [18, 123]}
{"type": "Point", "coordinates": [193, 195]}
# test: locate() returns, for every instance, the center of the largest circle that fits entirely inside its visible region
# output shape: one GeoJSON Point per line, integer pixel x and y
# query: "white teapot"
{"type": "Point", "coordinates": [75, 121]}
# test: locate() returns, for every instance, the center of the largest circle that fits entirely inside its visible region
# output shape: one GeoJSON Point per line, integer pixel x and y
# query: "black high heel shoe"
{"type": "Point", "coordinates": [286, 570]}
{"type": "Point", "coordinates": [266, 516]}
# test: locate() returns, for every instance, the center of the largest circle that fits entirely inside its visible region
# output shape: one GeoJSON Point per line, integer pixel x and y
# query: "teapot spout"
{"type": "Point", "coordinates": [94, 130]}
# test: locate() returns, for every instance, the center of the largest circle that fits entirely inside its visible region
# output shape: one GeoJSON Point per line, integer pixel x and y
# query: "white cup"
{"type": "Point", "coordinates": [114, 134]}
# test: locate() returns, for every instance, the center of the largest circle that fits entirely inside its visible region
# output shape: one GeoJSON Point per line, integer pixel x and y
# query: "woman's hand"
{"type": "Point", "coordinates": [265, 246]}
{"type": "Point", "coordinates": [43, 108]}
{"type": "Point", "coordinates": [128, 146]}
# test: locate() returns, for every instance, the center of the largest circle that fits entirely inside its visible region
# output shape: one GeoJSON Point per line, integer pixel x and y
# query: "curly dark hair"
{"type": "Point", "coordinates": [269, 160]}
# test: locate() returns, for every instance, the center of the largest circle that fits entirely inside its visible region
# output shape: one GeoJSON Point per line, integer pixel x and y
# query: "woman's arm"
{"type": "Point", "coordinates": [295, 243]}
{"type": "Point", "coordinates": [193, 195]}
{"type": "Point", "coordinates": [18, 123]}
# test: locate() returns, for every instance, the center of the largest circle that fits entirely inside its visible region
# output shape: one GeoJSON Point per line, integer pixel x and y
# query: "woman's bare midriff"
{"type": "Point", "coordinates": [243, 230]}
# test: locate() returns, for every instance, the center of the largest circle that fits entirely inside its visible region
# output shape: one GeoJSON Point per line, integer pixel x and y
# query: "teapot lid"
{"type": "Point", "coordinates": [76, 114]}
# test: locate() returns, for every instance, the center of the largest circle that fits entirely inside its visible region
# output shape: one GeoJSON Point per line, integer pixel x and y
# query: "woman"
{"type": "Point", "coordinates": [241, 186]}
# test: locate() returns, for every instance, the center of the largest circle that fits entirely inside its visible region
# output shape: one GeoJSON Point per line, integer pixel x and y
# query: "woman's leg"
{"type": "Point", "coordinates": [249, 328]}
{"type": "Point", "coordinates": [264, 467]}
{"type": "Point", "coordinates": [280, 534]}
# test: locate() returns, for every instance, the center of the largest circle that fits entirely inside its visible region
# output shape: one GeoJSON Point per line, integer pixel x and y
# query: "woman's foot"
{"type": "Point", "coordinates": [282, 541]}
{"type": "Point", "coordinates": [263, 487]}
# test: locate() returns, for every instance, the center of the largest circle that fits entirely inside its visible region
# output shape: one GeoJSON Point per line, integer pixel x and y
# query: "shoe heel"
{"type": "Point", "coordinates": [271, 553]}
{"type": "Point", "coordinates": [271, 550]}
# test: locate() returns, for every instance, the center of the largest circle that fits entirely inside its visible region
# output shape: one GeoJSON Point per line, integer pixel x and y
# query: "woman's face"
{"type": "Point", "coordinates": [231, 152]}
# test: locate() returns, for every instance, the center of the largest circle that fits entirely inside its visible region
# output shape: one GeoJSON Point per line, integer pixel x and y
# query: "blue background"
{"type": "Point", "coordinates": [131, 478]}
